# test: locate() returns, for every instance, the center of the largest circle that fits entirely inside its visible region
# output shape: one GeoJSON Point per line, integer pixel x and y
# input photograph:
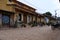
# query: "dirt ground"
{"type": "Point", "coordinates": [35, 33]}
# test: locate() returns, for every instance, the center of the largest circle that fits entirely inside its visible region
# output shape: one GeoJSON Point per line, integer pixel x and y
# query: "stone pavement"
{"type": "Point", "coordinates": [35, 33]}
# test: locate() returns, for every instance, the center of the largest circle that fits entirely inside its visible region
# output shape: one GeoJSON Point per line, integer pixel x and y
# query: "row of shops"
{"type": "Point", "coordinates": [15, 11]}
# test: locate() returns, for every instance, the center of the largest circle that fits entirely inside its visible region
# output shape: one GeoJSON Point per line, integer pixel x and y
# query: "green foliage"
{"type": "Point", "coordinates": [34, 24]}
{"type": "Point", "coordinates": [30, 23]}
{"type": "Point", "coordinates": [22, 24]}
{"type": "Point", "coordinates": [48, 13]}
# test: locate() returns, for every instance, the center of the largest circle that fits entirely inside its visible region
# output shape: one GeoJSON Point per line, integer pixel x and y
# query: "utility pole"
{"type": "Point", "coordinates": [55, 13]}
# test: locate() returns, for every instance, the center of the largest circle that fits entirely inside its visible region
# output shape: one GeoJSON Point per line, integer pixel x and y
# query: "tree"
{"type": "Point", "coordinates": [59, 0]}
{"type": "Point", "coordinates": [47, 13]}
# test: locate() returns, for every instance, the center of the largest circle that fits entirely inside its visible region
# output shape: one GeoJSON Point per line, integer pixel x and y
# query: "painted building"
{"type": "Point", "coordinates": [49, 19]}
{"type": "Point", "coordinates": [40, 18]}
{"type": "Point", "coordinates": [13, 10]}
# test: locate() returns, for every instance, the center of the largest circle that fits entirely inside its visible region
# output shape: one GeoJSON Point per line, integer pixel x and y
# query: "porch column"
{"type": "Point", "coordinates": [38, 19]}
{"type": "Point", "coordinates": [0, 20]}
{"type": "Point", "coordinates": [12, 20]}
{"type": "Point", "coordinates": [34, 18]}
{"type": "Point", "coordinates": [25, 18]}
{"type": "Point", "coordinates": [29, 18]}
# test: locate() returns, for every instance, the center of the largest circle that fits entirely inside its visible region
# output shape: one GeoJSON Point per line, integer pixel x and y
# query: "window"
{"type": "Point", "coordinates": [28, 19]}
{"type": "Point", "coordinates": [5, 19]}
{"type": "Point", "coordinates": [20, 17]}
{"type": "Point", "coordinates": [10, 0]}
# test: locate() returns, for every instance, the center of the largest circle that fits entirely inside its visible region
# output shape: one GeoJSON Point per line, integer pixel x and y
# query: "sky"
{"type": "Point", "coordinates": [43, 6]}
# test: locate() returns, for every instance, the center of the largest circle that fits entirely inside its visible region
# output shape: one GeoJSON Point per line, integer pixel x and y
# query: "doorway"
{"type": "Point", "coordinates": [5, 20]}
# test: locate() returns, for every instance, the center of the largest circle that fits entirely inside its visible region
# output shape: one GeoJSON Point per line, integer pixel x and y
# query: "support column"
{"type": "Point", "coordinates": [0, 20]}
{"type": "Point", "coordinates": [12, 20]}
{"type": "Point", "coordinates": [25, 18]}
{"type": "Point", "coordinates": [32, 18]}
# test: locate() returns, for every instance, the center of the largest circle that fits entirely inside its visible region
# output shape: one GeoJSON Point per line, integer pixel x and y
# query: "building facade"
{"type": "Point", "coordinates": [13, 10]}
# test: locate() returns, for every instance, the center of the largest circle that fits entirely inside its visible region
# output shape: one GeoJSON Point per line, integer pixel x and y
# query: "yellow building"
{"type": "Point", "coordinates": [12, 11]}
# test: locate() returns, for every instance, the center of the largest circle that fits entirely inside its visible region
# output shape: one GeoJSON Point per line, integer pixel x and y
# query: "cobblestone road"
{"type": "Point", "coordinates": [35, 33]}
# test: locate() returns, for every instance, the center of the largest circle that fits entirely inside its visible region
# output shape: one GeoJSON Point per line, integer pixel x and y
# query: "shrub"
{"type": "Point", "coordinates": [34, 24]}
{"type": "Point", "coordinates": [22, 24]}
{"type": "Point", "coordinates": [30, 23]}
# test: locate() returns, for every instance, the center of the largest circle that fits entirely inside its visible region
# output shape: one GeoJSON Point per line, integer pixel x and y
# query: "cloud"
{"type": "Point", "coordinates": [43, 5]}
